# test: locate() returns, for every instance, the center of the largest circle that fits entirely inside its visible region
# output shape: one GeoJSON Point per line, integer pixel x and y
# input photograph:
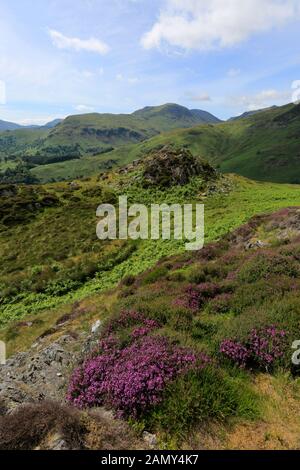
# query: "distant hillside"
{"type": "Point", "coordinates": [8, 126]}
{"type": "Point", "coordinates": [51, 124]}
{"type": "Point", "coordinates": [118, 129]}
{"type": "Point", "coordinates": [251, 113]}
{"type": "Point", "coordinates": [205, 116]}
{"type": "Point", "coordinates": [265, 146]}
{"type": "Point", "coordinates": [12, 126]}
{"type": "Point", "coordinates": [95, 134]}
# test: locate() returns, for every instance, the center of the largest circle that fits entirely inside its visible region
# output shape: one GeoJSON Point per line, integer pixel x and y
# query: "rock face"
{"type": "Point", "coordinates": [169, 167]}
{"type": "Point", "coordinates": [36, 375]}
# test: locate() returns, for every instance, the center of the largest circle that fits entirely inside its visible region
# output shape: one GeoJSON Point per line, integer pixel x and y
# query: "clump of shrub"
{"type": "Point", "coordinates": [235, 351]}
{"type": "Point", "coordinates": [221, 303]}
{"type": "Point", "coordinates": [262, 349]}
{"type": "Point", "coordinates": [131, 379]}
{"type": "Point", "coordinates": [265, 264]}
{"type": "Point", "coordinates": [127, 319]}
{"type": "Point", "coordinates": [29, 425]}
{"type": "Point", "coordinates": [194, 297]}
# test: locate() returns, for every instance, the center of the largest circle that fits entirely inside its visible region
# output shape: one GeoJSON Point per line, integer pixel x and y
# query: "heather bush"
{"type": "Point", "coordinates": [194, 297]}
{"type": "Point", "coordinates": [282, 309]}
{"type": "Point", "coordinates": [267, 345]}
{"type": "Point", "coordinates": [220, 304]}
{"type": "Point", "coordinates": [262, 265]}
{"type": "Point", "coordinates": [131, 380]}
{"type": "Point", "coordinates": [263, 348]}
{"type": "Point", "coordinates": [235, 351]}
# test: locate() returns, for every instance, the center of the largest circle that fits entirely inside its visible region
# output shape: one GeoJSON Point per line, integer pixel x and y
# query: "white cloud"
{"type": "Point", "coordinates": [82, 108]}
{"type": "Point", "coordinates": [204, 25]}
{"type": "Point", "coordinates": [262, 99]}
{"type": "Point", "coordinates": [90, 45]}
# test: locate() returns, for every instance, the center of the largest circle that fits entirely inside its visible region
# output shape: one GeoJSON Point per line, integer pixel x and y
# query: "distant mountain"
{"type": "Point", "coordinates": [177, 112]}
{"type": "Point", "coordinates": [12, 126]}
{"type": "Point", "coordinates": [251, 113]}
{"type": "Point", "coordinates": [262, 146]}
{"type": "Point", "coordinates": [8, 126]}
{"type": "Point", "coordinates": [96, 132]}
{"type": "Point", "coordinates": [53, 123]}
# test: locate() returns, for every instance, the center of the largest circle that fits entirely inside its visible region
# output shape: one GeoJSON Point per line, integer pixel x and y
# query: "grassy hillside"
{"type": "Point", "coordinates": [203, 140]}
{"type": "Point", "coordinates": [264, 146]}
{"type": "Point", "coordinates": [101, 131]}
{"type": "Point", "coordinates": [68, 261]}
{"type": "Point", "coordinates": [21, 140]}
{"type": "Point", "coordinates": [200, 315]}
{"type": "Point", "coordinates": [94, 134]}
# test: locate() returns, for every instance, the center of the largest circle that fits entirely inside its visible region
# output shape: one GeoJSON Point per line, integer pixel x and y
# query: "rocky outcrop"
{"type": "Point", "coordinates": [36, 375]}
{"type": "Point", "coordinates": [169, 167]}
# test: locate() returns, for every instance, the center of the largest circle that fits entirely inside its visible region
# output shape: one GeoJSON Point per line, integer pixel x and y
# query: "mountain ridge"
{"type": "Point", "coordinates": [165, 108]}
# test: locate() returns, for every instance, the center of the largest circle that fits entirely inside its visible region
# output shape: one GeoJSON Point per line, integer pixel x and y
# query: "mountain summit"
{"type": "Point", "coordinates": [175, 111]}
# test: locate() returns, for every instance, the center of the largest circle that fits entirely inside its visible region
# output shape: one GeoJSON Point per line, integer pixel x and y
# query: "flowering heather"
{"type": "Point", "coordinates": [235, 351]}
{"type": "Point", "coordinates": [267, 345]}
{"type": "Point", "coordinates": [133, 379]}
{"type": "Point", "coordinates": [148, 326]}
{"type": "Point", "coordinates": [262, 348]}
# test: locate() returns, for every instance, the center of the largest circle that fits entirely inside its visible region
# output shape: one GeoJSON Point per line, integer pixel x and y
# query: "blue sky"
{"type": "Point", "coordinates": [61, 57]}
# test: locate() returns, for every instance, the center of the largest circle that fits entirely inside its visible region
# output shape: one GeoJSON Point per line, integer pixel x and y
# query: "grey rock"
{"type": "Point", "coordinates": [150, 439]}
{"type": "Point", "coordinates": [96, 326]}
